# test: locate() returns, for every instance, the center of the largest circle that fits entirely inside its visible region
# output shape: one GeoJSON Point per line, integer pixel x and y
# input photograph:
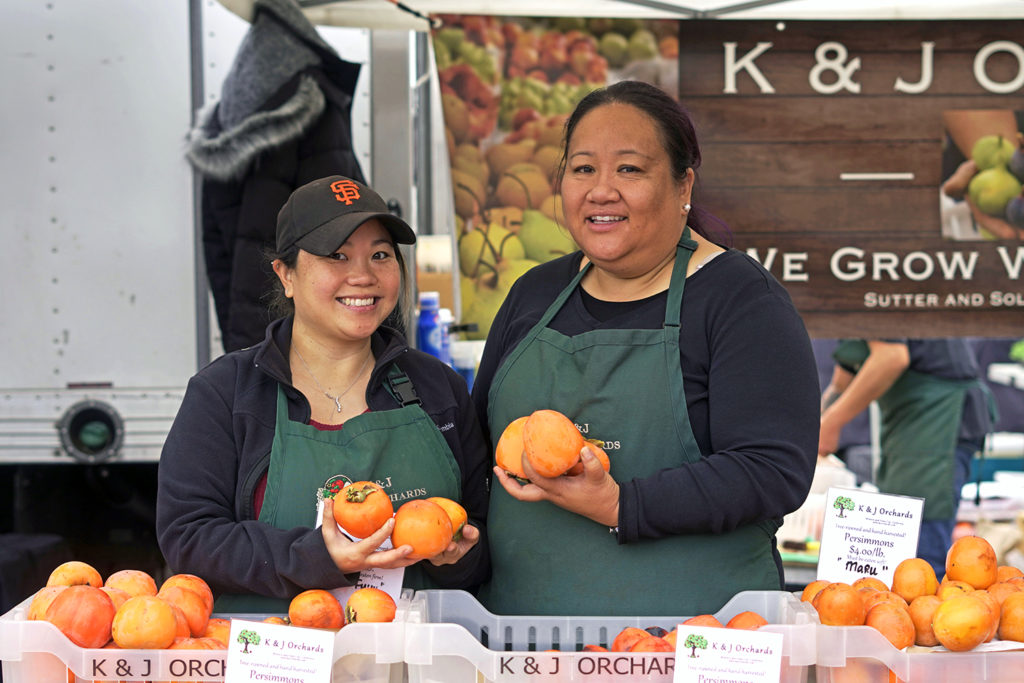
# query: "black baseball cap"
{"type": "Point", "coordinates": [319, 216]}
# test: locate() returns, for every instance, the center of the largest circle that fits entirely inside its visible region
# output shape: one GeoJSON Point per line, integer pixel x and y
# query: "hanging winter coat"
{"type": "Point", "coordinates": [282, 120]}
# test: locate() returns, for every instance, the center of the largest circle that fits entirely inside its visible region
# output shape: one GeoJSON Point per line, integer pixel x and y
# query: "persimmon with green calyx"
{"type": "Point", "coordinates": [370, 605]}
{"type": "Point", "coordinates": [362, 508]}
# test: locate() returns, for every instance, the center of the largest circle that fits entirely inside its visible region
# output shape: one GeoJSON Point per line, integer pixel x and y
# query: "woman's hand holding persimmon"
{"type": "Point", "coordinates": [354, 556]}
{"type": "Point", "coordinates": [457, 548]}
{"type": "Point", "coordinates": [593, 494]}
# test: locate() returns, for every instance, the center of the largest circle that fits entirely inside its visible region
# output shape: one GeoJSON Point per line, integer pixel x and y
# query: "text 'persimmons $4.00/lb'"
{"type": "Point", "coordinates": [362, 507]}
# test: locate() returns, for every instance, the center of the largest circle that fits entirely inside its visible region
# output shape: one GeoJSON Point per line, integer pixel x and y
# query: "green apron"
{"type": "Point", "coordinates": [401, 449]}
{"type": "Point", "coordinates": [920, 423]}
{"type": "Point", "coordinates": [625, 387]}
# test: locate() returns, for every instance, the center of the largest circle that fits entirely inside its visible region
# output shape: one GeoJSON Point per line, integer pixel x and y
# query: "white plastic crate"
{"type": "Point", "coordinates": [862, 653]}
{"type": "Point", "coordinates": [37, 652]}
{"type": "Point", "coordinates": [451, 638]}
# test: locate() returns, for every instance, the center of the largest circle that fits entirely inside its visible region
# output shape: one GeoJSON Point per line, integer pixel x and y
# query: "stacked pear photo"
{"type": "Point", "coordinates": [996, 188]}
{"type": "Point", "coordinates": [508, 84]}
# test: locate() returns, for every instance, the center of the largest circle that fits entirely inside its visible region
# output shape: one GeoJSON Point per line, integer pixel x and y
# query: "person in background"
{"type": "Point", "coordinates": [283, 119]}
{"type": "Point", "coordinates": [331, 392]}
{"type": "Point", "coordinates": [934, 415]}
{"type": "Point", "coordinates": [686, 358]}
{"type": "Point", "coordinates": [854, 448]}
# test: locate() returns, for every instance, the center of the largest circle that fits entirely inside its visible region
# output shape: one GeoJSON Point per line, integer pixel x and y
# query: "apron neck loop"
{"type": "Point", "coordinates": [686, 242]}
{"type": "Point", "coordinates": [673, 307]}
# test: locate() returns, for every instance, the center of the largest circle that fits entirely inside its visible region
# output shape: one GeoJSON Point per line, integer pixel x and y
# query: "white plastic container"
{"type": "Point", "coordinates": [451, 638]}
{"type": "Point", "coordinates": [37, 652]}
{"type": "Point", "coordinates": [862, 653]}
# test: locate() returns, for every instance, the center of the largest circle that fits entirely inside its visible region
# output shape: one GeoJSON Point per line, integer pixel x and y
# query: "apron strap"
{"type": "Point", "coordinates": [673, 307]}
{"type": "Point", "coordinates": [400, 387]}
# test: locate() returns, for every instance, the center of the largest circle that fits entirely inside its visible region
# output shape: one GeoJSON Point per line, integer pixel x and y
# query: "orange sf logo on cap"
{"type": "Point", "coordinates": [345, 191]}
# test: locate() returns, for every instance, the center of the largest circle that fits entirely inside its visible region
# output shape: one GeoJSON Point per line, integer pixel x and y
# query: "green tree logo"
{"type": "Point", "coordinates": [694, 641]}
{"type": "Point", "coordinates": [247, 637]}
{"type": "Point", "coordinates": [843, 503]}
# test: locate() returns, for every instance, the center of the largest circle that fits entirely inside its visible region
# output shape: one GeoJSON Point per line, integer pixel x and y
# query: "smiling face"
{"type": "Point", "coordinates": [621, 202]}
{"type": "Point", "coordinates": [345, 296]}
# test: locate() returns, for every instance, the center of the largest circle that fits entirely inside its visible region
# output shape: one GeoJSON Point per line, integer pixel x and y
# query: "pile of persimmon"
{"type": "Point", "coordinates": [657, 639]}
{"type": "Point", "coordinates": [428, 525]}
{"type": "Point", "coordinates": [976, 601]}
{"type": "Point", "coordinates": [318, 608]}
{"type": "Point", "coordinates": [128, 610]}
{"type": "Point", "coordinates": [549, 441]}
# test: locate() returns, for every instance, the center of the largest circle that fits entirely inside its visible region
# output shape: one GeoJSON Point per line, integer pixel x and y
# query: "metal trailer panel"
{"type": "Point", "coordinates": [96, 201]}
{"type": "Point", "coordinates": [96, 194]}
{"type": "Point", "coordinates": [99, 296]}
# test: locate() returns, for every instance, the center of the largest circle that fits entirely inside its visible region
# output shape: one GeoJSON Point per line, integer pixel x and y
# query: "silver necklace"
{"type": "Point", "coordinates": [336, 399]}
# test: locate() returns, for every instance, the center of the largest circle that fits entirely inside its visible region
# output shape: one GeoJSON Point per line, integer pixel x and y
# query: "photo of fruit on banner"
{"type": "Point", "coordinates": [507, 86]}
{"type": "Point", "coordinates": [983, 196]}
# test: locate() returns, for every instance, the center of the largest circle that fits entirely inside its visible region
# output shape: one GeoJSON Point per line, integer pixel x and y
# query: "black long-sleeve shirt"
{"type": "Point", "coordinates": [751, 387]}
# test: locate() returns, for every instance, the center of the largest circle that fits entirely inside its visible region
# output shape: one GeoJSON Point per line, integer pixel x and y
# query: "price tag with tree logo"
{"type": "Point", "coordinates": [706, 654]}
{"type": "Point", "coordinates": [867, 534]}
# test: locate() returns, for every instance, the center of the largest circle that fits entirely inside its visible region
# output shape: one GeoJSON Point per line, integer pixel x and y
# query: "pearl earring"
{"type": "Point", "coordinates": [686, 207]}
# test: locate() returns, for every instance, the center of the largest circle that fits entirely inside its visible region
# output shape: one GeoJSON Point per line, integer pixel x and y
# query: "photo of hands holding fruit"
{"type": "Point", "coordinates": [990, 180]}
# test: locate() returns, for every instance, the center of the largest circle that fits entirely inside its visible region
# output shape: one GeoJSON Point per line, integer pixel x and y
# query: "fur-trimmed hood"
{"type": "Point", "coordinates": [232, 132]}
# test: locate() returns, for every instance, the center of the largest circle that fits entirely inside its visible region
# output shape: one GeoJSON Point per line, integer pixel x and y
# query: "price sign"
{"type": "Point", "coordinates": [867, 534]}
{"type": "Point", "coordinates": [259, 651]}
{"type": "Point", "coordinates": [722, 654]}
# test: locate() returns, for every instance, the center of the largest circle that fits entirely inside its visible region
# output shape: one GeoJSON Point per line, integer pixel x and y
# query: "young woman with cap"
{"type": "Point", "coordinates": [332, 393]}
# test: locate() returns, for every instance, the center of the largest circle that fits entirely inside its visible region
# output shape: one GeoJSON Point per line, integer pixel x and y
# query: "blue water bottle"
{"type": "Point", "coordinates": [428, 329]}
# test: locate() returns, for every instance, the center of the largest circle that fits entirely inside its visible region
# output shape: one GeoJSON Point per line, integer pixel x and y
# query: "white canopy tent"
{"type": "Point", "coordinates": [386, 14]}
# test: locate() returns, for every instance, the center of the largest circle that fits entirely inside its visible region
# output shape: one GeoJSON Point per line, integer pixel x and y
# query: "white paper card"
{"type": "Point", "coordinates": [259, 651]}
{"type": "Point", "coordinates": [388, 580]}
{"type": "Point", "coordinates": [726, 654]}
{"type": "Point", "coordinates": [867, 534]}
